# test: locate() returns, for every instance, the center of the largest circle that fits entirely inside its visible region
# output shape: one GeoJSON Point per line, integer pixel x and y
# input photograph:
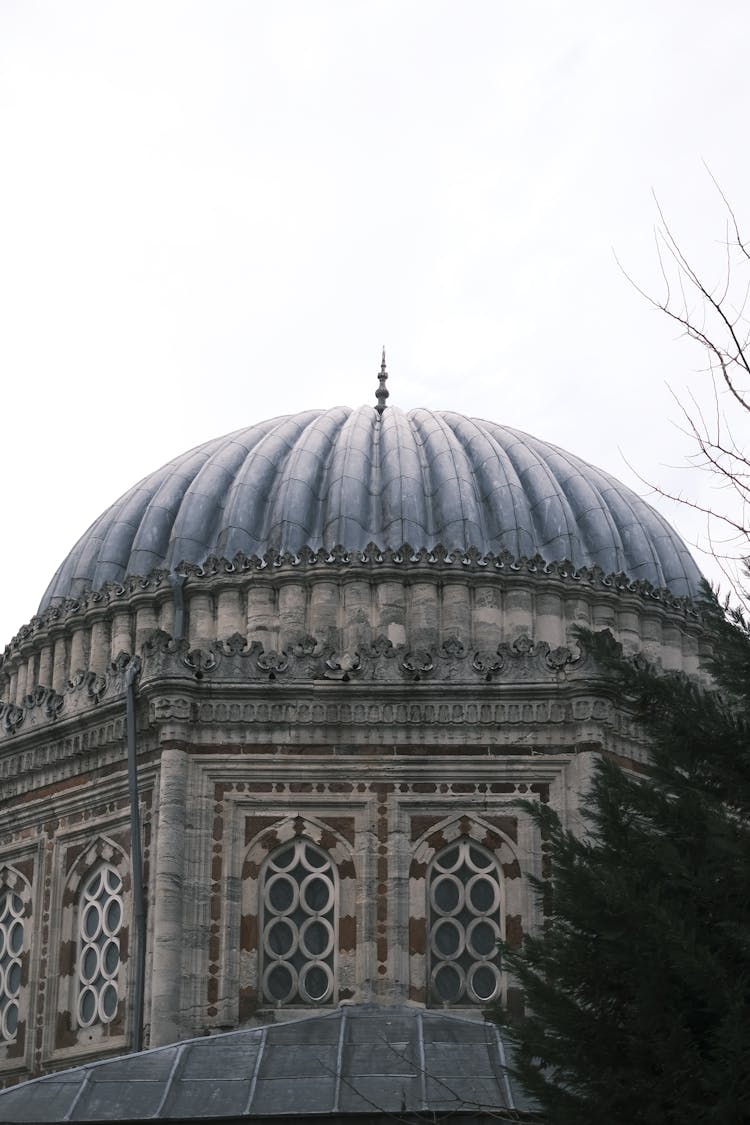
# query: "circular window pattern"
{"type": "Point", "coordinates": [299, 917]}
{"type": "Point", "coordinates": [11, 948]}
{"type": "Point", "coordinates": [99, 921]}
{"type": "Point", "coordinates": [464, 895]}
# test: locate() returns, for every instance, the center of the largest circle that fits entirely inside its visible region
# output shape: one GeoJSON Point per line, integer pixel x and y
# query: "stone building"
{"type": "Point", "coordinates": [348, 640]}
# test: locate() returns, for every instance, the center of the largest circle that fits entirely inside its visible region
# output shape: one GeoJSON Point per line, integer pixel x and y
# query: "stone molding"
{"type": "Point", "coordinates": [338, 559]}
{"type": "Point", "coordinates": [83, 691]}
{"type": "Point", "coordinates": [236, 659]}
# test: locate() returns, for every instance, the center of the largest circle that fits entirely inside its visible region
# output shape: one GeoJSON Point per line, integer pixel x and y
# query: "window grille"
{"type": "Point", "coordinates": [298, 915]}
{"type": "Point", "coordinates": [99, 922]}
{"type": "Point", "coordinates": [11, 948]}
{"type": "Point", "coordinates": [465, 895]}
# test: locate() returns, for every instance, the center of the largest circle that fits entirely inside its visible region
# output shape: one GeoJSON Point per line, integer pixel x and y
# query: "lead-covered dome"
{"type": "Point", "coordinates": [341, 476]}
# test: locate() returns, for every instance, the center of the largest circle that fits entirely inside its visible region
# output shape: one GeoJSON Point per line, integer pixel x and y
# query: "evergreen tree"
{"type": "Point", "coordinates": [638, 989]}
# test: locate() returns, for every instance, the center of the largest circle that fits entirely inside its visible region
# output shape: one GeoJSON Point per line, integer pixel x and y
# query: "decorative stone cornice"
{"type": "Point", "coordinates": [339, 559]}
{"type": "Point", "coordinates": [83, 691]}
{"type": "Point", "coordinates": [235, 660]}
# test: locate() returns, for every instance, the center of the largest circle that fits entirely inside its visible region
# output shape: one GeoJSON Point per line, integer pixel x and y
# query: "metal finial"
{"type": "Point", "coordinates": [381, 394]}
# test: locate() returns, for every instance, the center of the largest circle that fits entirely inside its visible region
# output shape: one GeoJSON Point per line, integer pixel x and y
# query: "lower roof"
{"type": "Point", "coordinates": [354, 1062]}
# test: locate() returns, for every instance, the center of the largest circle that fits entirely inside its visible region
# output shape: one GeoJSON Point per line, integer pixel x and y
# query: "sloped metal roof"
{"type": "Point", "coordinates": [358, 1059]}
{"type": "Point", "coordinates": [425, 477]}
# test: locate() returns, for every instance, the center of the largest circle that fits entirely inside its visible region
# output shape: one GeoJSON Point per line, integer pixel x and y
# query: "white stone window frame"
{"type": "Point", "coordinates": [289, 826]}
{"type": "Point", "coordinates": [93, 850]}
{"type": "Point", "coordinates": [288, 913]}
{"type": "Point", "coordinates": [516, 898]}
{"type": "Point", "coordinates": [100, 921]}
{"type": "Point", "coordinates": [460, 874]}
{"type": "Point", "coordinates": [14, 884]}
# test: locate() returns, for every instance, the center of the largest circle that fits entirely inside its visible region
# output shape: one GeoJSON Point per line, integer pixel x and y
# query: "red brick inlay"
{"type": "Point", "coordinates": [381, 897]}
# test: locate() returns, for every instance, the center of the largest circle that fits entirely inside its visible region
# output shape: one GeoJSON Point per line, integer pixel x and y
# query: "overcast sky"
{"type": "Point", "coordinates": [215, 213]}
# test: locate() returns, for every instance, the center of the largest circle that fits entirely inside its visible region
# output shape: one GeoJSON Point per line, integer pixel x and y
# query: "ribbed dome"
{"type": "Point", "coordinates": [343, 476]}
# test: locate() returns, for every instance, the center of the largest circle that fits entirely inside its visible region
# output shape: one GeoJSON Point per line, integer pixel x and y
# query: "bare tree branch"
{"type": "Point", "coordinates": [715, 316]}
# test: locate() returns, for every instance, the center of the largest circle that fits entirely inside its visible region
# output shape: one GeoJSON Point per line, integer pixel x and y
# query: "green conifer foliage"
{"type": "Point", "coordinates": [638, 988]}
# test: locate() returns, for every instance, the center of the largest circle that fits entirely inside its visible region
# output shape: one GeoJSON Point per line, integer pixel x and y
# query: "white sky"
{"type": "Point", "coordinates": [213, 213]}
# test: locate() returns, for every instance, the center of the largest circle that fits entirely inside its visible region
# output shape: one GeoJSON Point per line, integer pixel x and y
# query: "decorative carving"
{"type": "Point", "coordinates": [380, 646]}
{"type": "Point", "coordinates": [307, 646]}
{"type": "Point", "coordinates": [488, 664]}
{"type": "Point", "coordinates": [473, 557]}
{"type": "Point", "coordinates": [232, 646]}
{"type": "Point", "coordinates": [272, 662]}
{"type": "Point", "coordinates": [307, 557]}
{"type": "Point", "coordinates": [172, 708]}
{"type": "Point", "coordinates": [157, 641]}
{"type": "Point", "coordinates": [95, 685]}
{"type": "Point", "coordinates": [11, 717]}
{"type": "Point", "coordinates": [416, 664]}
{"type": "Point", "coordinates": [338, 555]}
{"type": "Point", "coordinates": [52, 704]}
{"type": "Point", "coordinates": [558, 657]}
{"type": "Point", "coordinates": [522, 646]}
{"type": "Point", "coordinates": [189, 570]}
{"type": "Point", "coordinates": [372, 554]}
{"type": "Point", "coordinates": [199, 660]}
{"type": "Point", "coordinates": [343, 666]}
{"type": "Point", "coordinates": [454, 648]}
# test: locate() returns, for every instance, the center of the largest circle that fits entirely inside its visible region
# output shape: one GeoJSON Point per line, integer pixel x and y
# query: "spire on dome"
{"type": "Point", "coordinates": [381, 394]}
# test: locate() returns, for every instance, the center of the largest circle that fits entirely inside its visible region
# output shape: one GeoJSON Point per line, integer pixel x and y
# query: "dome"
{"type": "Point", "coordinates": [350, 477]}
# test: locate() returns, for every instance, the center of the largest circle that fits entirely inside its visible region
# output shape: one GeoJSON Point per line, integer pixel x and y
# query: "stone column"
{"type": "Point", "coordinates": [456, 613]}
{"type": "Point", "coordinates": [324, 607]}
{"type": "Point", "coordinates": [100, 646]}
{"type": "Point", "coordinates": [230, 614]}
{"type": "Point", "coordinates": [262, 615]}
{"type": "Point", "coordinates": [549, 624]}
{"type": "Point", "coordinates": [292, 607]}
{"type": "Point", "coordinates": [167, 931]}
{"type": "Point", "coordinates": [145, 623]}
{"type": "Point", "coordinates": [60, 665]}
{"type": "Point", "coordinates": [391, 611]}
{"type": "Point", "coordinates": [519, 614]}
{"type": "Point", "coordinates": [357, 614]}
{"type": "Point", "coordinates": [45, 666]}
{"type": "Point", "coordinates": [122, 634]}
{"type": "Point", "coordinates": [488, 616]}
{"type": "Point", "coordinates": [423, 616]}
{"type": "Point", "coordinates": [201, 623]}
{"type": "Point", "coordinates": [78, 658]}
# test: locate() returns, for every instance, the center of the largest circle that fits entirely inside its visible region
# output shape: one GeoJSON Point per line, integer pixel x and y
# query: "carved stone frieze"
{"type": "Point", "coordinates": [234, 660]}
{"type": "Point", "coordinates": [83, 690]}
{"type": "Point", "coordinates": [421, 713]}
{"type": "Point", "coordinates": [343, 666]}
{"type": "Point", "coordinates": [51, 702]}
{"type": "Point", "coordinates": [372, 558]}
{"type": "Point", "coordinates": [11, 717]}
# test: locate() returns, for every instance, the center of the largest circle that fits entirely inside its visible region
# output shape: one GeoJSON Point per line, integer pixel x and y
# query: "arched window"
{"type": "Point", "coordinates": [298, 925]}
{"type": "Point", "coordinates": [12, 912]}
{"type": "Point", "coordinates": [464, 912]}
{"type": "Point", "coordinates": [99, 921]}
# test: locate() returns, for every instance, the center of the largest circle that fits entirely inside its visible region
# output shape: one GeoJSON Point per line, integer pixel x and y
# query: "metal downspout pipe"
{"type": "Point", "coordinates": [139, 914]}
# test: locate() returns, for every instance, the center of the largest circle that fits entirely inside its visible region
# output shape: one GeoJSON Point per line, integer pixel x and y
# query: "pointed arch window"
{"type": "Point", "coordinates": [464, 892]}
{"type": "Point", "coordinates": [12, 942]}
{"type": "Point", "coordinates": [100, 915]}
{"type": "Point", "coordinates": [299, 911]}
